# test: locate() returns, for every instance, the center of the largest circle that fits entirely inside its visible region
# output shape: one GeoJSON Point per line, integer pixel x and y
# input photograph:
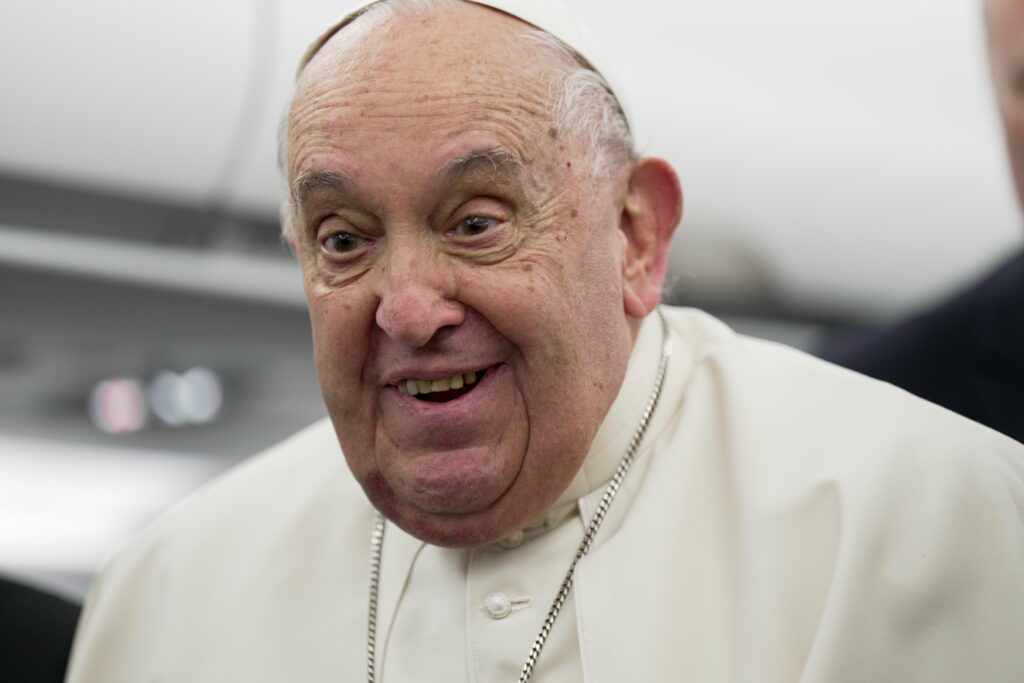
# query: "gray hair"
{"type": "Point", "coordinates": [582, 102]}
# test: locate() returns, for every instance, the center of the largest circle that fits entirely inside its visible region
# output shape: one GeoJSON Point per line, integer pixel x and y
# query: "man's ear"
{"type": "Point", "coordinates": [650, 214]}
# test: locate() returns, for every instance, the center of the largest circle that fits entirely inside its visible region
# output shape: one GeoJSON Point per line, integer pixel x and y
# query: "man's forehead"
{"type": "Point", "coordinates": [442, 93]}
{"type": "Point", "coordinates": [415, 61]}
{"type": "Point", "coordinates": [452, 40]}
{"type": "Point", "coordinates": [550, 16]}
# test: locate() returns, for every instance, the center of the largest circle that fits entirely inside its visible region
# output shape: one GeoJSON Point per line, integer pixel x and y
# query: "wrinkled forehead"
{"type": "Point", "coordinates": [552, 17]}
{"type": "Point", "coordinates": [453, 40]}
{"type": "Point", "coordinates": [419, 79]}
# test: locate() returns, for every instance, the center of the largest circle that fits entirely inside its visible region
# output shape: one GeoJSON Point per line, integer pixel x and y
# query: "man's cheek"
{"type": "Point", "coordinates": [530, 279]}
{"type": "Point", "coordinates": [339, 370]}
{"type": "Point", "coordinates": [339, 317]}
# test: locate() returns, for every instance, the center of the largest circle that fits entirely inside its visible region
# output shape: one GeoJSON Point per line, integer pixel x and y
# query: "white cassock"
{"type": "Point", "coordinates": [786, 520]}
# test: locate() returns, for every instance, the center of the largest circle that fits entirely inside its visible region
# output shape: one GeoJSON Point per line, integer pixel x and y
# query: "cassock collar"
{"type": "Point", "coordinates": [620, 423]}
{"type": "Point", "coordinates": [612, 438]}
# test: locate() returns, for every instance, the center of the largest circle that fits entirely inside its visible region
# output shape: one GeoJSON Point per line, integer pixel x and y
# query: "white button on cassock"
{"type": "Point", "coordinates": [498, 605]}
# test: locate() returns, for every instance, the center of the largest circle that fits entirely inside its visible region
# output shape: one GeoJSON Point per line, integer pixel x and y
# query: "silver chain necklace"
{"type": "Point", "coordinates": [377, 538]}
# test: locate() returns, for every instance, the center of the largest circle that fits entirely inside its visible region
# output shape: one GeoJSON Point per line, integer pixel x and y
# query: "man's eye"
{"type": "Point", "coordinates": [342, 242]}
{"type": "Point", "coordinates": [474, 225]}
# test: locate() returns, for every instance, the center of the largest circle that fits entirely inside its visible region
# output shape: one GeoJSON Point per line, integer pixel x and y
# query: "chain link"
{"type": "Point", "coordinates": [376, 550]}
{"type": "Point", "coordinates": [602, 507]}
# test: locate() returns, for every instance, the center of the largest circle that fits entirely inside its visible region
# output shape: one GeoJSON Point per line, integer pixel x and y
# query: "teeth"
{"type": "Point", "coordinates": [426, 386]}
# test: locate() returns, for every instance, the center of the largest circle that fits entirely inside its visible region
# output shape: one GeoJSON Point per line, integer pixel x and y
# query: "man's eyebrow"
{"type": "Point", "coordinates": [308, 183]}
{"type": "Point", "coordinates": [496, 160]}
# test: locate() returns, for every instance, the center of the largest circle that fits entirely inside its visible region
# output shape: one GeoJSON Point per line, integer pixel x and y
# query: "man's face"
{"type": "Point", "coordinates": [1005, 22]}
{"type": "Point", "coordinates": [445, 228]}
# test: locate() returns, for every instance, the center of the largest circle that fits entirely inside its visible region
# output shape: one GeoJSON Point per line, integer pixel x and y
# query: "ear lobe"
{"type": "Point", "coordinates": [650, 214]}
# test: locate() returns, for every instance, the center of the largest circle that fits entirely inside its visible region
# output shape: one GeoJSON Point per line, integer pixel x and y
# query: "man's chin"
{"type": "Point", "coordinates": [452, 528]}
{"type": "Point", "coordinates": [457, 482]}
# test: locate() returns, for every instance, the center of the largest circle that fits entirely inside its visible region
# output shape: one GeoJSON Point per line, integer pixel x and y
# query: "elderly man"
{"type": "Point", "coordinates": [548, 476]}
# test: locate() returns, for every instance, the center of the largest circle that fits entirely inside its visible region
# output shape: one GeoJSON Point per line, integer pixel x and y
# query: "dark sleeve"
{"type": "Point", "coordinates": [966, 354]}
{"type": "Point", "coordinates": [36, 630]}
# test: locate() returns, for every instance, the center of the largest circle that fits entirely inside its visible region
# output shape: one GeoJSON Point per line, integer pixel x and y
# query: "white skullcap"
{"type": "Point", "coordinates": [551, 16]}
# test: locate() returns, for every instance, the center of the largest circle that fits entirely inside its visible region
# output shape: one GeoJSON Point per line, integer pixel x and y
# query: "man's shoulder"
{"type": "Point", "coordinates": [835, 509]}
{"type": "Point", "coordinates": [254, 508]}
{"type": "Point", "coordinates": [285, 533]}
{"type": "Point", "coordinates": [781, 401]}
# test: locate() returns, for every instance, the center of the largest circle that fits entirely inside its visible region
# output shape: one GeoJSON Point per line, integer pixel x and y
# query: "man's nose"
{"type": "Point", "coordinates": [417, 298]}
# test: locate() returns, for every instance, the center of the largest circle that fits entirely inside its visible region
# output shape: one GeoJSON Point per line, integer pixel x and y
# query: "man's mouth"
{"type": "Point", "coordinates": [441, 390]}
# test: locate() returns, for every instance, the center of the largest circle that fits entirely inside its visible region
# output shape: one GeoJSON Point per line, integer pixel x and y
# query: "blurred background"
{"type": "Point", "coordinates": [842, 165]}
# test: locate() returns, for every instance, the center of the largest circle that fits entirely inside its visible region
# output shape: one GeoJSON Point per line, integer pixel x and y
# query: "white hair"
{"type": "Point", "coordinates": [582, 102]}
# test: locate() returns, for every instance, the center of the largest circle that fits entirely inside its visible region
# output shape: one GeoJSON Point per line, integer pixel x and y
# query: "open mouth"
{"type": "Point", "coordinates": [442, 390]}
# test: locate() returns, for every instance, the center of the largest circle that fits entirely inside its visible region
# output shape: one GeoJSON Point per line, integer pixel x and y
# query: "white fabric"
{"type": "Point", "coordinates": [450, 587]}
{"type": "Point", "coordinates": [786, 520]}
{"type": "Point", "coordinates": [552, 16]}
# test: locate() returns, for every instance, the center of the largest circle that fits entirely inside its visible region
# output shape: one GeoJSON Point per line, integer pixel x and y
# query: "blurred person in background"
{"type": "Point", "coordinates": [36, 629]}
{"type": "Point", "coordinates": [967, 354]}
{"type": "Point", "coordinates": [550, 476]}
